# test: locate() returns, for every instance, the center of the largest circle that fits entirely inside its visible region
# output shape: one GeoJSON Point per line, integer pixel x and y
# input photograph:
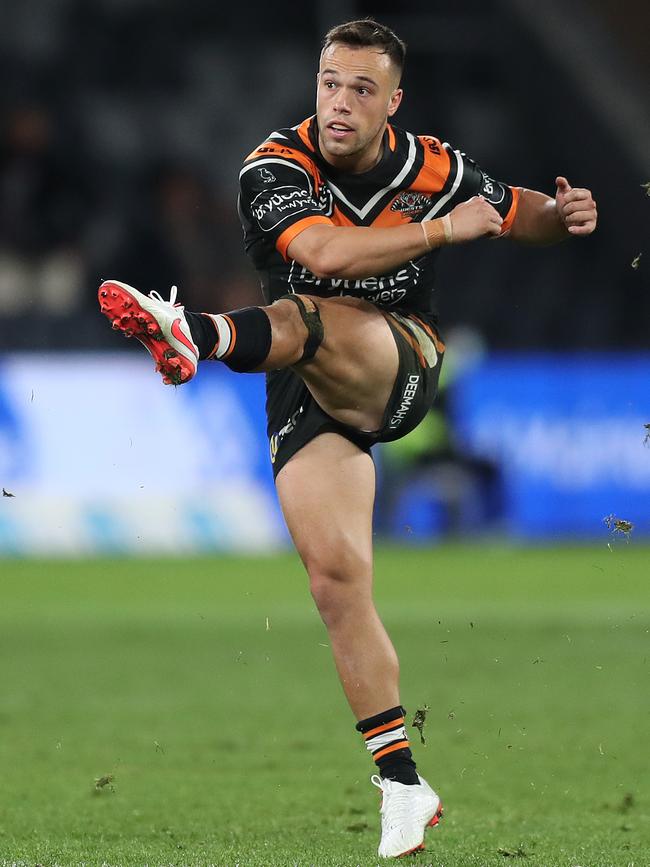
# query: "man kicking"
{"type": "Point", "coordinates": [343, 217]}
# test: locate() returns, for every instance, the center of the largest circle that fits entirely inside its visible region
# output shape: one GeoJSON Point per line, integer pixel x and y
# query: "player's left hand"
{"type": "Point", "coordinates": [576, 208]}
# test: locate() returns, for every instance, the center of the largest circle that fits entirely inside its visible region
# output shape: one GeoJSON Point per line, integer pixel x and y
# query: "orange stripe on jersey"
{"type": "Point", "coordinates": [294, 230]}
{"type": "Point", "coordinates": [436, 168]}
{"type": "Point", "coordinates": [339, 218]}
{"type": "Point", "coordinates": [400, 745]}
{"type": "Point", "coordinates": [392, 141]}
{"type": "Point", "coordinates": [303, 132]}
{"type": "Point", "coordinates": [512, 213]}
{"type": "Point", "coordinates": [382, 728]}
{"type": "Point", "coordinates": [233, 336]}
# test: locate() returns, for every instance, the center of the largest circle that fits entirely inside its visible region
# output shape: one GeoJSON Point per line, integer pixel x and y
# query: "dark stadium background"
{"type": "Point", "coordinates": [124, 123]}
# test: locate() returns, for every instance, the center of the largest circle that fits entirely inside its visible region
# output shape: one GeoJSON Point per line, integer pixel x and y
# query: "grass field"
{"type": "Point", "coordinates": [206, 689]}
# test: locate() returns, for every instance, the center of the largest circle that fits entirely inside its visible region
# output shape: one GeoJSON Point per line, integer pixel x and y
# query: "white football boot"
{"type": "Point", "coordinates": [159, 325]}
{"type": "Point", "coordinates": [406, 813]}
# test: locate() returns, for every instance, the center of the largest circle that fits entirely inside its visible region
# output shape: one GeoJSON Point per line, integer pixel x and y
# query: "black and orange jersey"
{"type": "Point", "coordinates": [286, 186]}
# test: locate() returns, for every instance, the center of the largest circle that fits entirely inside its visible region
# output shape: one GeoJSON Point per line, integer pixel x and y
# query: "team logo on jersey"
{"type": "Point", "coordinates": [267, 176]}
{"type": "Point", "coordinates": [493, 191]}
{"type": "Point", "coordinates": [410, 203]}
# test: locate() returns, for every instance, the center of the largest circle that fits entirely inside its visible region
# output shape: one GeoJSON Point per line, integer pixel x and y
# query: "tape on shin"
{"type": "Point", "coordinates": [244, 338]}
{"type": "Point", "coordinates": [311, 318]}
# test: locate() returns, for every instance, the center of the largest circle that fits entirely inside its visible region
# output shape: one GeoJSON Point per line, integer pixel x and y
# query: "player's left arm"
{"type": "Point", "coordinates": [540, 219]}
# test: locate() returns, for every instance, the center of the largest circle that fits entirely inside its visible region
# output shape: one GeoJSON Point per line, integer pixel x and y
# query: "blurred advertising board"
{"type": "Point", "coordinates": [569, 434]}
{"type": "Point", "coordinates": [102, 458]}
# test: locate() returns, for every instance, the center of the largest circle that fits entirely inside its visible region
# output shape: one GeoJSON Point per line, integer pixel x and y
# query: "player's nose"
{"type": "Point", "coordinates": [341, 102]}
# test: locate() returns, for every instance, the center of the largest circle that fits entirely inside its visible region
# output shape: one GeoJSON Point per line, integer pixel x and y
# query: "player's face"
{"type": "Point", "coordinates": [357, 93]}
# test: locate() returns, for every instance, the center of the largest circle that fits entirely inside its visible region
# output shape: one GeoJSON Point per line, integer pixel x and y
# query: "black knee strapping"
{"type": "Point", "coordinates": [312, 320]}
{"type": "Point", "coordinates": [250, 334]}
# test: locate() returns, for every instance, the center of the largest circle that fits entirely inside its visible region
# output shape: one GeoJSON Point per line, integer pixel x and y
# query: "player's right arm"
{"type": "Point", "coordinates": [356, 252]}
{"type": "Point", "coordinates": [279, 195]}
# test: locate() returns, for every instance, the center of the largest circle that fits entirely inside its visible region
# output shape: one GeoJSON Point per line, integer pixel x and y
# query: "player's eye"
{"type": "Point", "coordinates": [362, 91]}
{"type": "Point", "coordinates": [329, 85]}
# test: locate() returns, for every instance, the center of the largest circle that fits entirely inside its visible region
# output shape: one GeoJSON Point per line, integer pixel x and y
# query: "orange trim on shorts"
{"type": "Point", "coordinates": [294, 230]}
{"type": "Point", "coordinates": [233, 336]}
{"type": "Point", "coordinates": [401, 745]}
{"type": "Point", "coordinates": [440, 346]}
{"type": "Point", "coordinates": [382, 728]}
{"type": "Point", "coordinates": [410, 339]}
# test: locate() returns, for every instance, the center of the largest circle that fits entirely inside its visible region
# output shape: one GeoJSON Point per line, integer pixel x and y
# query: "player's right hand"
{"type": "Point", "coordinates": [473, 219]}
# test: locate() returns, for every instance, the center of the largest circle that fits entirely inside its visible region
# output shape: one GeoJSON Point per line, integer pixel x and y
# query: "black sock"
{"type": "Point", "coordinates": [385, 737]}
{"type": "Point", "coordinates": [204, 333]}
{"type": "Point", "coordinates": [241, 339]}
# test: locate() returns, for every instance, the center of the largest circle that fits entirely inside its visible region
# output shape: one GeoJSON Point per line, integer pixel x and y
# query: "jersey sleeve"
{"type": "Point", "coordinates": [473, 181]}
{"type": "Point", "coordinates": [281, 198]}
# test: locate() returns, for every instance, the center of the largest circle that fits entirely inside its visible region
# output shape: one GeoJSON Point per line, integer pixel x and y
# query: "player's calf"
{"type": "Point", "coordinates": [260, 338]}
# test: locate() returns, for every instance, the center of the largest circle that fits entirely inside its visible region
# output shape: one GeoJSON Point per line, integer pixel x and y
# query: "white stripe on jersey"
{"type": "Point", "coordinates": [452, 192]}
{"type": "Point", "coordinates": [257, 163]}
{"type": "Point", "coordinates": [363, 212]}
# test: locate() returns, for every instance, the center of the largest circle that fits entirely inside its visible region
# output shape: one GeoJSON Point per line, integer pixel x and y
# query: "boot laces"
{"type": "Point", "coordinates": [172, 297]}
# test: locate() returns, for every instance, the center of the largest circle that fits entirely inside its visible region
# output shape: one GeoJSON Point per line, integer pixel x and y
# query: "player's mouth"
{"type": "Point", "coordinates": [339, 130]}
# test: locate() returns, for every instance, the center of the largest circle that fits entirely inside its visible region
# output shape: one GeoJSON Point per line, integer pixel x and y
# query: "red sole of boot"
{"type": "Point", "coordinates": [125, 314]}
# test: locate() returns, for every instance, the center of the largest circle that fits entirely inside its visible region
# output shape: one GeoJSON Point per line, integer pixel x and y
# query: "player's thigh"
{"type": "Point", "coordinates": [356, 365]}
{"type": "Point", "coordinates": [327, 492]}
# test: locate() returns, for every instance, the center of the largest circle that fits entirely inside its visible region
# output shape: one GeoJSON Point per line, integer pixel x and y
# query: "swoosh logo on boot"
{"type": "Point", "coordinates": [178, 334]}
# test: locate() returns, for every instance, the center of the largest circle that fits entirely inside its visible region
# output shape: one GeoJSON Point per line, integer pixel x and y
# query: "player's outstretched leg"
{"type": "Point", "coordinates": [341, 347]}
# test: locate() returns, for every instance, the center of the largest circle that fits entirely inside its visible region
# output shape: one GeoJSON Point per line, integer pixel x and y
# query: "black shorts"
{"type": "Point", "coordinates": [294, 417]}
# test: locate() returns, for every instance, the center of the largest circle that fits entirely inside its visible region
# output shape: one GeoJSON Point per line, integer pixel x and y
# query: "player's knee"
{"type": "Point", "coordinates": [337, 587]}
{"type": "Point", "coordinates": [307, 318]}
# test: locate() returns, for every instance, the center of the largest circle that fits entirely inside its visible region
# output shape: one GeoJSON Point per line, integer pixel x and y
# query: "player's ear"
{"type": "Point", "coordinates": [395, 100]}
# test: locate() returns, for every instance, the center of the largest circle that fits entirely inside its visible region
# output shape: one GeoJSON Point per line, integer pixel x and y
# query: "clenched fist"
{"type": "Point", "coordinates": [475, 218]}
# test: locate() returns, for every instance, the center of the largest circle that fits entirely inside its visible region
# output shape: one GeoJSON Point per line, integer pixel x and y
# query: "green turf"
{"type": "Point", "coordinates": [206, 688]}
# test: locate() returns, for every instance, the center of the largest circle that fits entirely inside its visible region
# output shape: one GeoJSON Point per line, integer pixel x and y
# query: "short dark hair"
{"type": "Point", "coordinates": [368, 33]}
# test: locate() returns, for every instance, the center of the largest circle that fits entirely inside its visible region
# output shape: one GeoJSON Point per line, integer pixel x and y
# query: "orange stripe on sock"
{"type": "Point", "coordinates": [399, 721]}
{"type": "Point", "coordinates": [401, 745]}
{"type": "Point", "coordinates": [233, 336]}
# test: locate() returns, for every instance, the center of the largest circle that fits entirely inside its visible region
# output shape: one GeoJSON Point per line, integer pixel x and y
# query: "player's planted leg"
{"type": "Point", "coordinates": [326, 491]}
